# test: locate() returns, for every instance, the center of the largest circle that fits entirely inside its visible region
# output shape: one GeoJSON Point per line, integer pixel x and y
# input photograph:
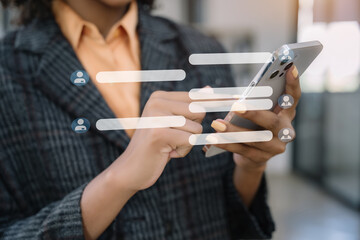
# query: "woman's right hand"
{"type": "Point", "coordinates": [142, 162]}
{"type": "Point", "coordinates": [149, 150]}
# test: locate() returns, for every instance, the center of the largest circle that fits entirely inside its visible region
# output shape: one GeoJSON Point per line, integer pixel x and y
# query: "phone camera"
{"type": "Point", "coordinates": [288, 66]}
{"type": "Point", "coordinates": [283, 61]}
{"type": "Point", "coordinates": [286, 55]}
{"type": "Point", "coordinates": [274, 74]}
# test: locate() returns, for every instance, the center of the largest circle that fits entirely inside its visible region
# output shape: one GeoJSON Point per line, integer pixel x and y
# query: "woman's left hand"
{"type": "Point", "coordinates": [254, 156]}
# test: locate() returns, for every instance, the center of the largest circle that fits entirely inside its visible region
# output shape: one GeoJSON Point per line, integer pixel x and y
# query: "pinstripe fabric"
{"type": "Point", "coordinates": [44, 166]}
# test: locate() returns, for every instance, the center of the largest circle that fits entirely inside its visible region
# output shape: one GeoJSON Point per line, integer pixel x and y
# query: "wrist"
{"type": "Point", "coordinates": [250, 169]}
{"type": "Point", "coordinates": [115, 179]}
{"type": "Point", "coordinates": [119, 175]}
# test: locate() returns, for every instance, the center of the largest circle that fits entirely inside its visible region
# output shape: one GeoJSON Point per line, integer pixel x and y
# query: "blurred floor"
{"type": "Point", "coordinates": [302, 211]}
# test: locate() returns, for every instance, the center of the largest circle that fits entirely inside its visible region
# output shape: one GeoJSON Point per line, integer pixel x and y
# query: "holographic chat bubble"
{"type": "Point", "coordinates": [230, 137]}
{"type": "Point", "coordinates": [230, 105]}
{"type": "Point", "coordinates": [141, 76]}
{"type": "Point", "coordinates": [111, 124]}
{"type": "Point", "coordinates": [229, 93]}
{"type": "Point", "coordinates": [229, 58]}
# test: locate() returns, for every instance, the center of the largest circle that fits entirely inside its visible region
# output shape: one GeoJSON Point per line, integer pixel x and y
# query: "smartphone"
{"type": "Point", "coordinates": [273, 74]}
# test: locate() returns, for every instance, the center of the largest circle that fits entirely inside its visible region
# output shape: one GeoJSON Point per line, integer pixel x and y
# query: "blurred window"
{"type": "Point", "coordinates": [338, 67]}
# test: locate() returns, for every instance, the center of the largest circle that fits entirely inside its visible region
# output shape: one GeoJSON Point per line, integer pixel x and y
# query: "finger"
{"type": "Point", "coordinates": [293, 89]}
{"type": "Point", "coordinates": [251, 153]}
{"type": "Point", "coordinates": [221, 125]}
{"type": "Point", "coordinates": [181, 108]}
{"type": "Point", "coordinates": [265, 119]}
{"type": "Point", "coordinates": [191, 127]}
{"type": "Point", "coordinates": [179, 141]}
{"type": "Point", "coordinates": [275, 146]}
{"type": "Point", "coordinates": [171, 107]}
{"type": "Point", "coordinates": [293, 85]}
{"type": "Point", "coordinates": [174, 96]}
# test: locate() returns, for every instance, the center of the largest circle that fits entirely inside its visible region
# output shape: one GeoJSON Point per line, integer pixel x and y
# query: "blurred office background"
{"type": "Point", "coordinates": [315, 184]}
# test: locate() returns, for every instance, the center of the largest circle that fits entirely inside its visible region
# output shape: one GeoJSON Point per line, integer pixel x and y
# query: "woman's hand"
{"type": "Point", "coordinates": [253, 156]}
{"type": "Point", "coordinates": [150, 149]}
{"type": "Point", "coordinates": [142, 162]}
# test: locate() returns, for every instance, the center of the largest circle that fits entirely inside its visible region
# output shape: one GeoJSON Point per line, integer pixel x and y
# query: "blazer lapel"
{"type": "Point", "coordinates": [58, 62]}
{"type": "Point", "coordinates": [155, 53]}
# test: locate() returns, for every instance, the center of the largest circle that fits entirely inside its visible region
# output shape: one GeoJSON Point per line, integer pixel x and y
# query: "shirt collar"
{"type": "Point", "coordinates": [72, 25]}
{"type": "Point", "coordinates": [129, 22]}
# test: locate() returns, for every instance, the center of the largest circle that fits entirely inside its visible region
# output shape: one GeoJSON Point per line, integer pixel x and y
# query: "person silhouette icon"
{"type": "Point", "coordinates": [79, 78]}
{"type": "Point", "coordinates": [285, 135]}
{"type": "Point", "coordinates": [80, 125]}
{"type": "Point", "coordinates": [286, 101]}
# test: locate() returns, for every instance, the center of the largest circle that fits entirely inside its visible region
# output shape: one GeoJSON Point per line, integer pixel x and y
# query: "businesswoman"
{"type": "Point", "coordinates": [143, 184]}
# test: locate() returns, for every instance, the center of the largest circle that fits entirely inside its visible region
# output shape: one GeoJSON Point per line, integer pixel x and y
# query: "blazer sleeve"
{"type": "Point", "coordinates": [58, 220]}
{"type": "Point", "coordinates": [254, 222]}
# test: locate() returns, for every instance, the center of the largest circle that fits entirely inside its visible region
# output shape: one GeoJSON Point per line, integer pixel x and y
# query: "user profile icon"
{"type": "Point", "coordinates": [80, 125]}
{"type": "Point", "coordinates": [286, 135]}
{"type": "Point", "coordinates": [79, 78]}
{"type": "Point", "coordinates": [286, 101]}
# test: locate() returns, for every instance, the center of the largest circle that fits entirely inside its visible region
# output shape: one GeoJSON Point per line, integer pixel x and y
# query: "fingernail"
{"type": "Point", "coordinates": [206, 89]}
{"type": "Point", "coordinates": [238, 107]}
{"type": "Point", "coordinates": [295, 72]}
{"type": "Point", "coordinates": [218, 126]}
{"type": "Point", "coordinates": [212, 139]}
{"type": "Point", "coordinates": [241, 111]}
{"type": "Point", "coordinates": [204, 149]}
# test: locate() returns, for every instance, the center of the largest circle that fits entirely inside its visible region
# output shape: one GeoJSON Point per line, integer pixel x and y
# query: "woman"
{"type": "Point", "coordinates": [57, 184]}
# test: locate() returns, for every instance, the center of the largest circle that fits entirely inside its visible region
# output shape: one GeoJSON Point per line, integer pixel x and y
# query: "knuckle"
{"type": "Point", "coordinates": [246, 151]}
{"type": "Point", "coordinates": [156, 94]}
{"type": "Point", "coordinates": [202, 115]}
{"type": "Point", "coordinates": [294, 133]}
{"type": "Point", "coordinates": [297, 94]}
{"type": "Point", "coordinates": [199, 128]}
{"type": "Point", "coordinates": [250, 114]}
{"type": "Point", "coordinates": [183, 154]}
{"type": "Point", "coordinates": [280, 148]}
{"type": "Point", "coordinates": [263, 158]}
{"type": "Point", "coordinates": [154, 103]}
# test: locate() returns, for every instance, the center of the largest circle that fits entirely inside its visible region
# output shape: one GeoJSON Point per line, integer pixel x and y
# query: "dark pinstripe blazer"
{"type": "Point", "coordinates": [44, 166]}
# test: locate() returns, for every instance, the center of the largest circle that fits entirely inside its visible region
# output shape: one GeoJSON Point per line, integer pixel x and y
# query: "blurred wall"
{"type": "Point", "coordinates": [336, 10]}
{"type": "Point", "coordinates": [271, 22]}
